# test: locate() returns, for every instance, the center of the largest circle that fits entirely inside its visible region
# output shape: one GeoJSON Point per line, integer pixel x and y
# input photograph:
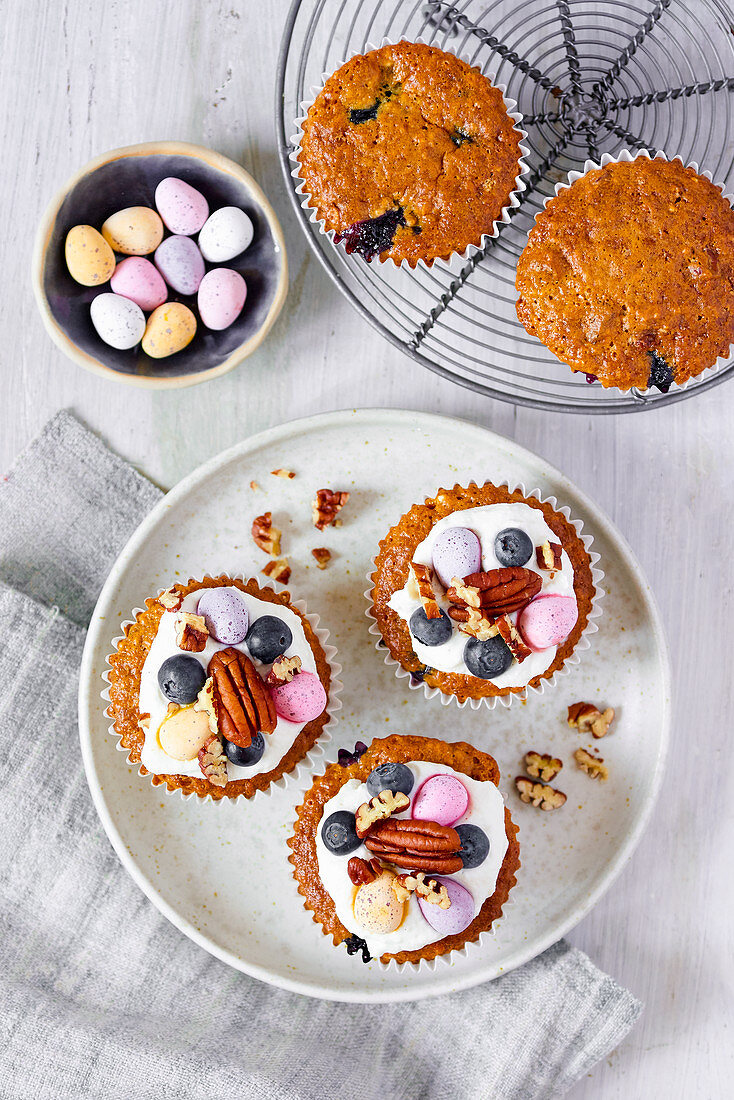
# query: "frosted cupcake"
{"type": "Point", "coordinates": [482, 592]}
{"type": "Point", "coordinates": [219, 687]}
{"type": "Point", "coordinates": [407, 853]}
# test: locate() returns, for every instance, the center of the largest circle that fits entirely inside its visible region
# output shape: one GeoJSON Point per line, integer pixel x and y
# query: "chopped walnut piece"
{"type": "Point", "coordinates": [205, 702]}
{"type": "Point", "coordinates": [283, 671]}
{"type": "Point", "coordinates": [280, 472]}
{"type": "Point", "coordinates": [465, 592]}
{"type": "Point", "coordinates": [546, 797]}
{"type": "Point", "coordinates": [254, 485]}
{"type": "Point", "coordinates": [325, 506]}
{"type": "Point", "coordinates": [423, 575]}
{"type": "Point", "coordinates": [279, 570]}
{"type": "Point", "coordinates": [548, 556]}
{"type": "Point", "coordinates": [588, 718]}
{"type": "Point", "coordinates": [594, 766]}
{"type": "Point", "coordinates": [191, 632]}
{"type": "Point", "coordinates": [213, 762]}
{"type": "Point", "coordinates": [322, 555]}
{"type": "Point", "coordinates": [266, 535]}
{"type": "Point", "coordinates": [511, 637]}
{"type": "Point", "coordinates": [430, 891]}
{"type": "Point", "coordinates": [379, 808]}
{"type": "Point", "coordinates": [474, 623]}
{"type": "Point", "coordinates": [362, 871]}
{"type": "Point", "coordinates": [144, 721]}
{"type": "Point", "coordinates": [542, 765]}
{"type": "Point", "coordinates": [171, 599]}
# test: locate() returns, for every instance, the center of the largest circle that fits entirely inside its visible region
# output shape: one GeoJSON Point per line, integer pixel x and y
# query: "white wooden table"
{"type": "Point", "coordinates": [84, 77]}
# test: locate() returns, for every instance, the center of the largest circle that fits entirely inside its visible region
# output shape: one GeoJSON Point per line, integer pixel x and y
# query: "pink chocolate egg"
{"type": "Point", "coordinates": [180, 263]}
{"type": "Point", "coordinates": [222, 294]}
{"type": "Point", "coordinates": [457, 552]}
{"type": "Point", "coordinates": [442, 799]}
{"type": "Point", "coordinates": [300, 700]}
{"type": "Point", "coordinates": [182, 208]}
{"type": "Point", "coordinates": [137, 279]}
{"type": "Point", "coordinates": [548, 620]}
{"type": "Point", "coordinates": [458, 916]}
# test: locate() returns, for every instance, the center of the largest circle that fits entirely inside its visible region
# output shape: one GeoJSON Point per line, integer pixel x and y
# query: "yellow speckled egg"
{"type": "Point", "coordinates": [376, 907]}
{"type": "Point", "coordinates": [170, 328]}
{"type": "Point", "coordinates": [183, 732]}
{"type": "Point", "coordinates": [89, 258]}
{"type": "Point", "coordinates": [135, 231]}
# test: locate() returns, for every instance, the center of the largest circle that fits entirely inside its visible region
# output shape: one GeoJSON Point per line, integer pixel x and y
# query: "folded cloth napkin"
{"type": "Point", "coordinates": [99, 995]}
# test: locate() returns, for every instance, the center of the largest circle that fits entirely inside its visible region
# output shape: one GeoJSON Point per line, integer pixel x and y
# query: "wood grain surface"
{"type": "Point", "coordinates": [82, 77]}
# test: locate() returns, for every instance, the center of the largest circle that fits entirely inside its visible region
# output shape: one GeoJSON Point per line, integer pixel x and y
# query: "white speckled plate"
{"type": "Point", "coordinates": [220, 873]}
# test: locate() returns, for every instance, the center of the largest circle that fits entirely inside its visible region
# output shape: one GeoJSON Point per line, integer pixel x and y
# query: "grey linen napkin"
{"type": "Point", "coordinates": [99, 995]}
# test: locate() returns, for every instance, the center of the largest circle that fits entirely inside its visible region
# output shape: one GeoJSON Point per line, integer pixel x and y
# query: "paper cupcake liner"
{"type": "Point", "coordinates": [625, 156]}
{"type": "Point", "coordinates": [457, 259]}
{"type": "Point", "coordinates": [574, 658]}
{"type": "Point", "coordinates": [307, 761]}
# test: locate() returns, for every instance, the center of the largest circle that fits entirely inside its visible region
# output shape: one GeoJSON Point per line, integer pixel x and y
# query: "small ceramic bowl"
{"type": "Point", "coordinates": [128, 177]}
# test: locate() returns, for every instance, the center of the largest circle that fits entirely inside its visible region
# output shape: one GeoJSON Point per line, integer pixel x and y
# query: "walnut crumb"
{"type": "Point", "coordinates": [547, 798]}
{"type": "Point", "coordinates": [322, 556]}
{"type": "Point", "coordinates": [594, 766]}
{"type": "Point", "coordinates": [281, 472]}
{"type": "Point", "coordinates": [589, 719]}
{"type": "Point", "coordinates": [542, 765]}
{"type": "Point", "coordinates": [278, 570]}
{"type": "Point", "coordinates": [266, 535]}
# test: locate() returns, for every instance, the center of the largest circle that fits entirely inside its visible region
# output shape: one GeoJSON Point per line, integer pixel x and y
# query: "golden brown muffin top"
{"type": "Point", "coordinates": [629, 274]}
{"type": "Point", "coordinates": [416, 135]}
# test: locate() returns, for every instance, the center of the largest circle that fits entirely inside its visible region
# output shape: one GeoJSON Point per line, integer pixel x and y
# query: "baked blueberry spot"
{"type": "Point", "coordinates": [358, 115]}
{"type": "Point", "coordinates": [390, 777]}
{"type": "Point", "coordinates": [591, 379]}
{"type": "Point", "coordinates": [372, 236]}
{"type": "Point", "coordinates": [430, 631]}
{"type": "Point", "coordinates": [460, 137]}
{"type": "Point", "coordinates": [356, 943]}
{"type": "Point", "coordinates": [345, 757]}
{"type": "Point", "coordinates": [661, 373]}
{"type": "Point", "coordinates": [420, 674]}
{"type": "Point", "coordinates": [488, 658]}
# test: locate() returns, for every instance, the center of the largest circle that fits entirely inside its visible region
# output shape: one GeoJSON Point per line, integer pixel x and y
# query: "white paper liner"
{"type": "Point", "coordinates": [306, 763]}
{"type": "Point", "coordinates": [491, 701]}
{"type": "Point", "coordinates": [626, 157]}
{"type": "Point", "coordinates": [457, 259]}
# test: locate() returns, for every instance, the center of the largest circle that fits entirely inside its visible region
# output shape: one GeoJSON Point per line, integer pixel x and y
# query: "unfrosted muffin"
{"type": "Point", "coordinates": [219, 687]}
{"type": "Point", "coordinates": [407, 853]}
{"type": "Point", "coordinates": [482, 591]}
{"type": "Point", "coordinates": [628, 274]}
{"type": "Point", "coordinates": [409, 153]}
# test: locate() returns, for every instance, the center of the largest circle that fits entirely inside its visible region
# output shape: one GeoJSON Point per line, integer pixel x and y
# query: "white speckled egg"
{"type": "Point", "coordinates": [225, 234]}
{"type": "Point", "coordinates": [376, 907]}
{"type": "Point", "coordinates": [118, 321]}
{"type": "Point", "coordinates": [183, 209]}
{"type": "Point", "coordinates": [180, 263]}
{"type": "Point", "coordinates": [221, 297]}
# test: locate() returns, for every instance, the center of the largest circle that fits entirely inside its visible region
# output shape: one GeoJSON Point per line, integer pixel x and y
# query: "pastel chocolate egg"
{"type": "Point", "coordinates": [376, 907]}
{"type": "Point", "coordinates": [180, 263]}
{"type": "Point", "coordinates": [300, 700]}
{"type": "Point", "coordinates": [225, 613]}
{"type": "Point", "coordinates": [136, 231]}
{"type": "Point", "coordinates": [548, 620]}
{"type": "Point", "coordinates": [457, 552]}
{"type": "Point", "coordinates": [89, 258]}
{"type": "Point", "coordinates": [170, 328]}
{"type": "Point", "coordinates": [139, 280]}
{"type": "Point", "coordinates": [441, 798]}
{"type": "Point", "coordinates": [225, 234]}
{"type": "Point", "coordinates": [118, 321]}
{"type": "Point", "coordinates": [458, 916]}
{"type": "Point", "coordinates": [222, 294]}
{"type": "Point", "coordinates": [183, 208]}
{"type": "Point", "coordinates": [183, 732]}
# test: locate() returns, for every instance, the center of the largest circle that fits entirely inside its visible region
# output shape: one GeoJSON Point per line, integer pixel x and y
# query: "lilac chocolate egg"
{"type": "Point", "coordinates": [137, 279]}
{"type": "Point", "coordinates": [440, 798]}
{"type": "Point", "coordinates": [300, 700]}
{"type": "Point", "coordinates": [180, 263]}
{"type": "Point", "coordinates": [457, 552]}
{"type": "Point", "coordinates": [182, 208]}
{"type": "Point", "coordinates": [458, 916]}
{"type": "Point", "coordinates": [225, 614]}
{"type": "Point", "coordinates": [548, 620]}
{"type": "Point", "coordinates": [221, 297]}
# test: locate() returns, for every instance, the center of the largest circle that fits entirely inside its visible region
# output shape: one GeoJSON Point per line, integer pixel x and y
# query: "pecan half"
{"type": "Point", "coordinates": [191, 632]}
{"type": "Point", "coordinates": [423, 575]}
{"type": "Point", "coordinates": [278, 569]}
{"type": "Point", "coordinates": [322, 556]}
{"type": "Point", "coordinates": [242, 702]}
{"type": "Point", "coordinates": [362, 871]}
{"type": "Point", "coordinates": [548, 555]}
{"type": "Point", "coordinates": [499, 591]}
{"type": "Point", "coordinates": [213, 762]}
{"type": "Point", "coordinates": [588, 718]}
{"type": "Point", "coordinates": [542, 765]}
{"type": "Point", "coordinates": [379, 808]}
{"type": "Point", "coordinates": [594, 766]}
{"type": "Point", "coordinates": [548, 798]}
{"type": "Point", "coordinates": [416, 845]}
{"type": "Point", "coordinates": [430, 891]}
{"type": "Point", "coordinates": [325, 507]}
{"type": "Point", "coordinates": [266, 535]}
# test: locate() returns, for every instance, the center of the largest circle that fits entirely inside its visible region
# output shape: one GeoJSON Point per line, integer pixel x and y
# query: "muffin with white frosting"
{"type": "Point", "coordinates": [408, 852]}
{"type": "Point", "coordinates": [218, 687]}
{"type": "Point", "coordinates": [482, 591]}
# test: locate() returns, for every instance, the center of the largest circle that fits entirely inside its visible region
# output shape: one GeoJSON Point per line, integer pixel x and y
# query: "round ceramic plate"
{"type": "Point", "coordinates": [220, 872]}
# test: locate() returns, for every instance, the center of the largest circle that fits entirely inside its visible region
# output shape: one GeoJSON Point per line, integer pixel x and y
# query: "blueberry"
{"type": "Point", "coordinates": [373, 235]}
{"type": "Point", "coordinates": [487, 659]}
{"type": "Point", "coordinates": [419, 675]}
{"type": "Point", "coordinates": [513, 546]}
{"type": "Point", "coordinates": [355, 944]}
{"type": "Point", "coordinates": [181, 678]}
{"type": "Point", "coordinates": [245, 758]}
{"type": "Point", "coordinates": [391, 777]}
{"type": "Point", "coordinates": [430, 631]}
{"type": "Point", "coordinates": [661, 373]}
{"type": "Point", "coordinates": [474, 845]}
{"type": "Point", "coordinates": [268, 638]}
{"type": "Point", "coordinates": [339, 833]}
{"type": "Point", "coordinates": [460, 136]}
{"type": "Point", "coordinates": [358, 115]}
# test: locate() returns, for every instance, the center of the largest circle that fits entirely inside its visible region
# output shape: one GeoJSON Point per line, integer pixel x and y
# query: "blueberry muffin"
{"type": "Point", "coordinates": [408, 153]}
{"type": "Point", "coordinates": [628, 274]}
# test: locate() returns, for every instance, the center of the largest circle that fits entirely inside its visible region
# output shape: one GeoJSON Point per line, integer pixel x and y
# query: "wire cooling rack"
{"type": "Point", "coordinates": [589, 78]}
